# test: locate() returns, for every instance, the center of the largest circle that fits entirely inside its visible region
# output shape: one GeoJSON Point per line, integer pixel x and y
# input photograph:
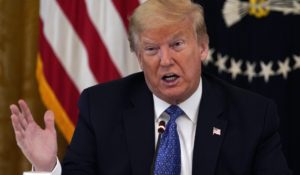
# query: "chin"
{"type": "Point", "coordinates": [173, 98]}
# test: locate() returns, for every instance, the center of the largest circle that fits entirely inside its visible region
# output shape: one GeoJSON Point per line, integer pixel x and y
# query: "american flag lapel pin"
{"type": "Point", "coordinates": [216, 131]}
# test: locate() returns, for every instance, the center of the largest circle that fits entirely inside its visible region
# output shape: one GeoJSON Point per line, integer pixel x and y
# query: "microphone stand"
{"type": "Point", "coordinates": [161, 130]}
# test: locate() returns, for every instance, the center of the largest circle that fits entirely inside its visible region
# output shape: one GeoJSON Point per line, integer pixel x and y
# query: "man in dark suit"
{"type": "Point", "coordinates": [212, 127]}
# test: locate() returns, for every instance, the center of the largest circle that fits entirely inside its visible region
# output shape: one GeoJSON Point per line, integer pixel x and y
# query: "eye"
{"type": "Point", "coordinates": [151, 50]}
{"type": "Point", "coordinates": [178, 45]}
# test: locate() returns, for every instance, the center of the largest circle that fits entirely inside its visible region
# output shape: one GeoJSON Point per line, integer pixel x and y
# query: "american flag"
{"type": "Point", "coordinates": [81, 43]}
{"type": "Point", "coordinates": [216, 131]}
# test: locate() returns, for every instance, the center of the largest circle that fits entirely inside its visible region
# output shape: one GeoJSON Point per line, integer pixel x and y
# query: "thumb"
{"type": "Point", "coordinates": [49, 120]}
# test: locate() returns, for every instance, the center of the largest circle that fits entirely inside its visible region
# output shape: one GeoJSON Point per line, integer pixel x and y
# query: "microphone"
{"type": "Point", "coordinates": [160, 130]}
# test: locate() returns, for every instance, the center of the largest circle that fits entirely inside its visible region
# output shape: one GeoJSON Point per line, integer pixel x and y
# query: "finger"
{"type": "Point", "coordinates": [15, 111]}
{"type": "Point", "coordinates": [16, 124]}
{"type": "Point", "coordinates": [49, 120]}
{"type": "Point", "coordinates": [26, 111]}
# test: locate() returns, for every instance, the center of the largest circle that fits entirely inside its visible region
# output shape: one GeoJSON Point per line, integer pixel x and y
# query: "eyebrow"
{"type": "Point", "coordinates": [148, 42]}
{"type": "Point", "coordinates": [177, 35]}
{"type": "Point", "coordinates": [172, 38]}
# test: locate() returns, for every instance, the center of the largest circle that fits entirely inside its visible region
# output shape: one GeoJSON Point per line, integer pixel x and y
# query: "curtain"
{"type": "Point", "coordinates": [18, 56]}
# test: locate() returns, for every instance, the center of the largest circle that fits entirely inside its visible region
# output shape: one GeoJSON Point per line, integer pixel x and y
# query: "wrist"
{"type": "Point", "coordinates": [46, 167]}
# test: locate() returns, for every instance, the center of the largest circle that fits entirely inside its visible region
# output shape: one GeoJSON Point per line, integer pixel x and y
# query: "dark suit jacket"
{"type": "Point", "coordinates": [115, 131]}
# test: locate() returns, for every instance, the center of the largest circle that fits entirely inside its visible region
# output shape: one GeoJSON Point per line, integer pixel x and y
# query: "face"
{"type": "Point", "coordinates": [171, 57]}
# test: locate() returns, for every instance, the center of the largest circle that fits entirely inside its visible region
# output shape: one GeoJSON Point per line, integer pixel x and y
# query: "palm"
{"type": "Point", "coordinates": [38, 145]}
{"type": "Point", "coordinates": [41, 145]}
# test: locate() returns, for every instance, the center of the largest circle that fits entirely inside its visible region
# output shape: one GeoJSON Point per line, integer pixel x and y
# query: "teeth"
{"type": "Point", "coordinates": [170, 78]}
{"type": "Point", "coordinates": [169, 75]}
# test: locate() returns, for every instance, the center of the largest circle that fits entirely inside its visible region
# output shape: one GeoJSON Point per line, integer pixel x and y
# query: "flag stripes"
{"type": "Point", "coordinates": [125, 9]}
{"type": "Point", "coordinates": [81, 43]}
{"type": "Point", "coordinates": [66, 45]}
{"type": "Point", "coordinates": [113, 33]}
{"type": "Point", "coordinates": [55, 74]}
{"type": "Point", "coordinates": [99, 60]}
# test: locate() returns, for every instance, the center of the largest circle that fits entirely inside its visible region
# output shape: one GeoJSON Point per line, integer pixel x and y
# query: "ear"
{"type": "Point", "coordinates": [204, 49]}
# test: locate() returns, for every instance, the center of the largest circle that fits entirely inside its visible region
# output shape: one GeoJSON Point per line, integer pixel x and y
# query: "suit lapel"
{"type": "Point", "coordinates": [207, 145]}
{"type": "Point", "coordinates": [139, 128]}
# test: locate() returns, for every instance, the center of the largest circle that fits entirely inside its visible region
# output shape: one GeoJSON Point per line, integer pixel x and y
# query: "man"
{"type": "Point", "coordinates": [212, 127]}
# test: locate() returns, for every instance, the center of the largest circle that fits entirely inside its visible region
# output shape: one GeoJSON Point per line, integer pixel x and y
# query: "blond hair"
{"type": "Point", "coordinates": [158, 13]}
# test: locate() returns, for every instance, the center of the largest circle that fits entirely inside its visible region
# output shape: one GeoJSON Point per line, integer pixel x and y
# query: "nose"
{"type": "Point", "coordinates": [165, 57]}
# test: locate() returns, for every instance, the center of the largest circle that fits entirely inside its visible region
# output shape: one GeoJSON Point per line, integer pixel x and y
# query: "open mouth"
{"type": "Point", "coordinates": [170, 77]}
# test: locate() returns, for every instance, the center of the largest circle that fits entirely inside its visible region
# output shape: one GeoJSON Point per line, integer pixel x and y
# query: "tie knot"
{"type": "Point", "coordinates": [174, 112]}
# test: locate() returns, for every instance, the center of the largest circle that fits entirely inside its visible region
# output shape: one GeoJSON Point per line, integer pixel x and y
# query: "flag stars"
{"type": "Point", "coordinates": [296, 9]}
{"type": "Point", "coordinates": [220, 63]}
{"type": "Point", "coordinates": [270, 69]}
{"type": "Point", "coordinates": [297, 62]}
{"type": "Point", "coordinates": [284, 68]}
{"type": "Point", "coordinates": [266, 70]}
{"type": "Point", "coordinates": [250, 71]}
{"type": "Point", "coordinates": [235, 68]}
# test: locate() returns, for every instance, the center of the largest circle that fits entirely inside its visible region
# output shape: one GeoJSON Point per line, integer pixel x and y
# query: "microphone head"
{"type": "Point", "coordinates": [161, 127]}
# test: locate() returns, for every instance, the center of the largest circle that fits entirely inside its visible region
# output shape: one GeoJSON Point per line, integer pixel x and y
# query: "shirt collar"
{"type": "Point", "coordinates": [190, 106]}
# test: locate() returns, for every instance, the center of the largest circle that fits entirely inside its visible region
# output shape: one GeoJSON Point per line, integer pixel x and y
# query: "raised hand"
{"type": "Point", "coordinates": [38, 145]}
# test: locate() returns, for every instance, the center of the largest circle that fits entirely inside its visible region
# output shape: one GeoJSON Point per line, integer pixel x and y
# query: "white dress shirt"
{"type": "Point", "coordinates": [186, 125]}
{"type": "Point", "coordinates": [186, 128]}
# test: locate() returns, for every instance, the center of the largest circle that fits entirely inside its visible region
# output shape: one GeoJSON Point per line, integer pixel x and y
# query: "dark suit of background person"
{"type": "Point", "coordinates": [115, 133]}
